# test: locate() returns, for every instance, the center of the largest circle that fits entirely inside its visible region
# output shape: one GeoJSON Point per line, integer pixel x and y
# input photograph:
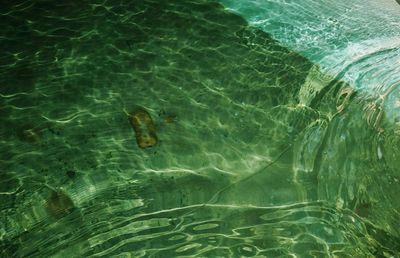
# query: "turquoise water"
{"type": "Point", "coordinates": [356, 41]}
{"type": "Point", "coordinates": [262, 151]}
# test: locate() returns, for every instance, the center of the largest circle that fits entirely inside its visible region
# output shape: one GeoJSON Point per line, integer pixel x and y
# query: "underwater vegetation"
{"type": "Point", "coordinates": [29, 133]}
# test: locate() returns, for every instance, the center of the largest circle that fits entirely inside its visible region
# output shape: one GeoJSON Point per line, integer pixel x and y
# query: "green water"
{"type": "Point", "coordinates": [259, 153]}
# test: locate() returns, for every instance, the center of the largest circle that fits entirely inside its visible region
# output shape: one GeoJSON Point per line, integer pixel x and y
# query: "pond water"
{"type": "Point", "coordinates": [179, 128]}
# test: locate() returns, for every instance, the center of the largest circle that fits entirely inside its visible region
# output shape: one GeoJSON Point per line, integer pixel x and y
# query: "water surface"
{"type": "Point", "coordinates": [254, 159]}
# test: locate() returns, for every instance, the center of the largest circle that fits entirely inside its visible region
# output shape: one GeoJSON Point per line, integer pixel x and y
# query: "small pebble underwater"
{"type": "Point", "coordinates": [176, 128]}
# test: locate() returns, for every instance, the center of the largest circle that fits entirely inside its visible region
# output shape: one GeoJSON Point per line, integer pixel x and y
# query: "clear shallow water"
{"type": "Point", "coordinates": [252, 159]}
{"type": "Point", "coordinates": [357, 41]}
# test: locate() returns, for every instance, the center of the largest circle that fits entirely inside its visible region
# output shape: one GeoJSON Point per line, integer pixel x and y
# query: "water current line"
{"type": "Point", "coordinates": [215, 197]}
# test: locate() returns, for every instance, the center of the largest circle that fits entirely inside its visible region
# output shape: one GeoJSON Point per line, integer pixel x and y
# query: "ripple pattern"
{"type": "Point", "coordinates": [243, 169]}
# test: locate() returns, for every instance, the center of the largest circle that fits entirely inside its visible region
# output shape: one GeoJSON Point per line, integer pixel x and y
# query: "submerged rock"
{"type": "Point", "coordinates": [144, 128]}
{"type": "Point", "coordinates": [59, 204]}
